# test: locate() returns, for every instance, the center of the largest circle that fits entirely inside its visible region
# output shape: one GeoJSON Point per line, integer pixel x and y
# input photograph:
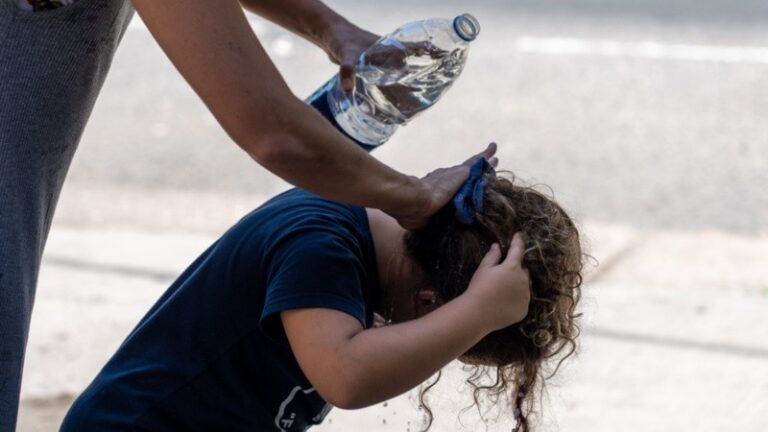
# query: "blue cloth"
{"type": "Point", "coordinates": [469, 199]}
{"type": "Point", "coordinates": [211, 354]}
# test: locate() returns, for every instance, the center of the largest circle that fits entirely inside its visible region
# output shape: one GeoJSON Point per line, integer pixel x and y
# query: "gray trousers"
{"type": "Point", "coordinates": [52, 67]}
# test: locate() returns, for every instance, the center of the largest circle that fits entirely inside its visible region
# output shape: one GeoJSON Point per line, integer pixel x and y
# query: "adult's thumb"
{"type": "Point", "coordinates": [347, 74]}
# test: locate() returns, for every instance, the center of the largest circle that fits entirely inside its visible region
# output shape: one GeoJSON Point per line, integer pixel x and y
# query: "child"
{"type": "Point", "coordinates": [274, 323]}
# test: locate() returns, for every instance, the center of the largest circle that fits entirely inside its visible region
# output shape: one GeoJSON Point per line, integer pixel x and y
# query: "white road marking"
{"type": "Point", "coordinates": [652, 50]}
{"type": "Point", "coordinates": [647, 50]}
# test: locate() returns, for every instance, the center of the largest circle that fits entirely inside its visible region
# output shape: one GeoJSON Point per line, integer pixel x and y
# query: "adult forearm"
{"type": "Point", "coordinates": [309, 153]}
{"type": "Point", "coordinates": [384, 362]}
{"type": "Point", "coordinates": [215, 50]}
{"type": "Point", "coordinates": [310, 19]}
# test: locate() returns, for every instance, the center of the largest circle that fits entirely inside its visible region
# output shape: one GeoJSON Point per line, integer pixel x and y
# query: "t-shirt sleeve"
{"type": "Point", "coordinates": [316, 270]}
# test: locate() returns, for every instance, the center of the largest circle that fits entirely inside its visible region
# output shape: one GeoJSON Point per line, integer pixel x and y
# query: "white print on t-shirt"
{"type": "Point", "coordinates": [285, 418]}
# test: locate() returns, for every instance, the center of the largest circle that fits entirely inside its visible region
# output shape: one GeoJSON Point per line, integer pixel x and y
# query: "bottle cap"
{"type": "Point", "coordinates": [467, 27]}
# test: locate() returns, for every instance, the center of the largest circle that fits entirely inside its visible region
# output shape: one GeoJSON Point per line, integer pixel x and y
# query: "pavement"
{"type": "Point", "coordinates": [647, 119]}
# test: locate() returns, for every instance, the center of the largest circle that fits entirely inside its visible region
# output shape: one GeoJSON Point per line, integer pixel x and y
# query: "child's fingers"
{"type": "Point", "coordinates": [378, 320]}
{"type": "Point", "coordinates": [491, 258]}
{"type": "Point", "coordinates": [516, 250]}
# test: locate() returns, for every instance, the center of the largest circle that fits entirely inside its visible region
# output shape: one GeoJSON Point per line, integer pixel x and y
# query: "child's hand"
{"type": "Point", "coordinates": [379, 321]}
{"type": "Point", "coordinates": [502, 289]}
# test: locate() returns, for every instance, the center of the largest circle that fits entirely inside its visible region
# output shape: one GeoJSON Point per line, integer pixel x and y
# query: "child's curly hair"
{"type": "Point", "coordinates": [449, 252]}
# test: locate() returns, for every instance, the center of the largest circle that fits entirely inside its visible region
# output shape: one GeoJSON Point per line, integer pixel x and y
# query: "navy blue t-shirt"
{"type": "Point", "coordinates": [211, 354]}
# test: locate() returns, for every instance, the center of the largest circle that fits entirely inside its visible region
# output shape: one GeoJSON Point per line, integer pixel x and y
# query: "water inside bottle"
{"type": "Point", "coordinates": [410, 79]}
{"type": "Point", "coordinates": [401, 75]}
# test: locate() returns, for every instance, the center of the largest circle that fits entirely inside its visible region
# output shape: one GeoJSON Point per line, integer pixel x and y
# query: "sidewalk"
{"type": "Point", "coordinates": [674, 336]}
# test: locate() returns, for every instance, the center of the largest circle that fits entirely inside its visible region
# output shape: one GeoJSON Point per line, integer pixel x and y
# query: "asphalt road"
{"type": "Point", "coordinates": [647, 113]}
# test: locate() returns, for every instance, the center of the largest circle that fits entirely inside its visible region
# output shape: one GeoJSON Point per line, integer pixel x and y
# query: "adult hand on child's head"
{"type": "Point", "coordinates": [440, 187]}
{"type": "Point", "coordinates": [501, 289]}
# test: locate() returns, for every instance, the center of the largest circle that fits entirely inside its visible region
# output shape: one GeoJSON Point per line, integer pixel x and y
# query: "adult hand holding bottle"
{"type": "Point", "coordinates": [214, 48]}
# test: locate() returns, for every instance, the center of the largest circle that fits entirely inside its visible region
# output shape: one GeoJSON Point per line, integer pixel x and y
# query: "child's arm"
{"type": "Point", "coordinates": [353, 368]}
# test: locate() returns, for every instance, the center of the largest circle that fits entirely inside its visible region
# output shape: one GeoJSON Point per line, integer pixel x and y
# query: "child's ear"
{"type": "Point", "coordinates": [425, 301]}
{"type": "Point", "coordinates": [427, 296]}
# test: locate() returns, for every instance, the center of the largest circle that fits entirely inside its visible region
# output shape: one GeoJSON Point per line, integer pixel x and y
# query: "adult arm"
{"type": "Point", "coordinates": [216, 51]}
{"type": "Point", "coordinates": [353, 368]}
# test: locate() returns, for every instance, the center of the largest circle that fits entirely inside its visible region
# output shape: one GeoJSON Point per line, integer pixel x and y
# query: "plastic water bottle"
{"type": "Point", "coordinates": [401, 75]}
